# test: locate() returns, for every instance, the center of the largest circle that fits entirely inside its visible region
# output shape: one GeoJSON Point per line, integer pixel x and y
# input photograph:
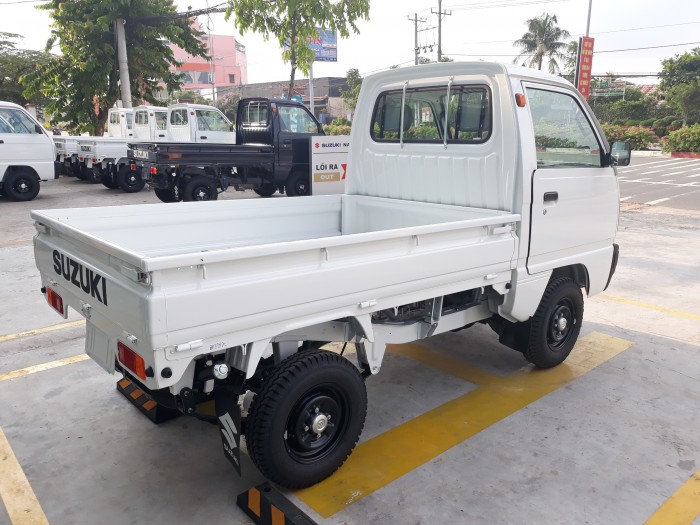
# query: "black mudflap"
{"type": "Point", "coordinates": [149, 408]}
{"type": "Point", "coordinates": [266, 506]}
{"type": "Point", "coordinates": [228, 415]}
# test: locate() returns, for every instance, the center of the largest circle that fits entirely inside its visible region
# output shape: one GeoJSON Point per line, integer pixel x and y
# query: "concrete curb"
{"type": "Point", "coordinates": [649, 153]}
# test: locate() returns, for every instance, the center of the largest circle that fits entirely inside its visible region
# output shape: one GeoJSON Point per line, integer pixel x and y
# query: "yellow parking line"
{"type": "Point", "coordinates": [16, 493]}
{"type": "Point", "coordinates": [678, 313]}
{"type": "Point", "coordinates": [43, 366]}
{"type": "Point", "coordinates": [20, 335]}
{"type": "Point", "coordinates": [683, 507]}
{"type": "Point", "coordinates": [385, 458]}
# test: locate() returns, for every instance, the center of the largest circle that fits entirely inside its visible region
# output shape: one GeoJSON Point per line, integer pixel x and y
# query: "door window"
{"type": "Point", "coordinates": [178, 117]}
{"type": "Point", "coordinates": [161, 119]}
{"type": "Point", "coordinates": [209, 120]}
{"type": "Point", "coordinates": [563, 134]}
{"type": "Point", "coordinates": [16, 121]}
{"type": "Point", "coordinates": [295, 119]}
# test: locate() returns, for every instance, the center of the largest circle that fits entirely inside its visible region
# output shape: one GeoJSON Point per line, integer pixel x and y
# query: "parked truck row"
{"type": "Point", "coordinates": [476, 193]}
{"type": "Point", "coordinates": [191, 152]}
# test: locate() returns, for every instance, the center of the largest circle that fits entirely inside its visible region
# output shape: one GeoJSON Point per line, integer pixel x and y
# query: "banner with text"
{"type": "Point", "coordinates": [583, 73]}
{"type": "Point", "coordinates": [329, 163]}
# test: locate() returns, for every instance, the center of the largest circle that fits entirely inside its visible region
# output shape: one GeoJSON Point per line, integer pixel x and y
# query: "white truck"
{"type": "Point", "coordinates": [476, 192]}
{"type": "Point", "coordinates": [27, 154]}
{"type": "Point", "coordinates": [103, 159]}
{"type": "Point", "coordinates": [120, 123]}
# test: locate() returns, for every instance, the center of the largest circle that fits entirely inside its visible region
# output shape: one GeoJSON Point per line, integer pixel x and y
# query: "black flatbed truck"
{"type": "Point", "coordinates": [272, 154]}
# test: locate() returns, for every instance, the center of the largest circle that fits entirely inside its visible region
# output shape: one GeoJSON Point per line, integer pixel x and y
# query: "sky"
{"type": "Point", "coordinates": [630, 37]}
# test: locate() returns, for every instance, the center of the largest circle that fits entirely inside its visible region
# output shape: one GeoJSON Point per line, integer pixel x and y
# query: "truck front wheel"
{"type": "Point", "coordinates": [298, 184]}
{"type": "Point", "coordinates": [556, 324]}
{"type": "Point", "coordinates": [266, 190]}
{"type": "Point", "coordinates": [200, 189]}
{"type": "Point", "coordinates": [21, 185]}
{"type": "Point", "coordinates": [130, 181]}
{"type": "Point", "coordinates": [306, 418]}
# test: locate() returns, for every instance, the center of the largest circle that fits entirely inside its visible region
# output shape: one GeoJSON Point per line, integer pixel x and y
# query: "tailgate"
{"type": "Point", "coordinates": [99, 286]}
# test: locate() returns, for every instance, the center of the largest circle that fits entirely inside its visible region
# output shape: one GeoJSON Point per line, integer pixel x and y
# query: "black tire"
{"type": "Point", "coordinates": [266, 190]}
{"type": "Point", "coordinates": [20, 185]}
{"type": "Point", "coordinates": [279, 429]}
{"type": "Point", "coordinates": [129, 181]}
{"type": "Point", "coordinates": [298, 184]}
{"type": "Point", "coordinates": [200, 189]}
{"type": "Point", "coordinates": [80, 172]}
{"type": "Point", "coordinates": [108, 181]}
{"type": "Point", "coordinates": [92, 176]}
{"type": "Point", "coordinates": [556, 324]}
{"type": "Point", "coordinates": [168, 194]}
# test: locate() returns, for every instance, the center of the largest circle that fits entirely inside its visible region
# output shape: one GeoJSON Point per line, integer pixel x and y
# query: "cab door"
{"type": "Point", "coordinates": [23, 142]}
{"type": "Point", "coordinates": [213, 127]}
{"type": "Point", "coordinates": [295, 127]}
{"type": "Point", "coordinates": [575, 196]}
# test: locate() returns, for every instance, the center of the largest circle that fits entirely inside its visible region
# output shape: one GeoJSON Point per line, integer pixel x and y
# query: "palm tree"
{"type": "Point", "coordinates": [543, 39]}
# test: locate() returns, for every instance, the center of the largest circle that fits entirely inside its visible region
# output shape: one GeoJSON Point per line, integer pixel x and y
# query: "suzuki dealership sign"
{"type": "Point", "coordinates": [329, 164]}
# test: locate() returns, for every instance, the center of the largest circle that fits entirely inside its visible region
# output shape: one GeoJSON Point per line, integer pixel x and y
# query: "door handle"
{"type": "Point", "coordinates": [287, 141]}
{"type": "Point", "coordinates": [161, 135]}
{"type": "Point", "coordinates": [203, 137]}
{"type": "Point", "coordinates": [2, 142]}
{"type": "Point", "coordinates": [551, 196]}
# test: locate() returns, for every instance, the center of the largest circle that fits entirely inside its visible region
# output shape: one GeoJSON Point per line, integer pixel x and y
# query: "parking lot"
{"type": "Point", "coordinates": [459, 428]}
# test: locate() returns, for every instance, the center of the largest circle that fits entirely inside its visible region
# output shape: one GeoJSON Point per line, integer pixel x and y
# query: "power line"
{"type": "Point", "coordinates": [509, 3]}
{"type": "Point", "coordinates": [22, 2]}
{"type": "Point", "coordinates": [650, 47]}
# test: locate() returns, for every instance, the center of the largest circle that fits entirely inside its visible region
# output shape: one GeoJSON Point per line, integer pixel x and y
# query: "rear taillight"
{"type": "Point", "coordinates": [154, 171]}
{"type": "Point", "coordinates": [131, 360]}
{"type": "Point", "coordinates": [132, 167]}
{"type": "Point", "coordinates": [55, 300]}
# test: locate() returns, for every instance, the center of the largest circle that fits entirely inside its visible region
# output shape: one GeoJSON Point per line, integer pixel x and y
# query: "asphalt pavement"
{"type": "Point", "coordinates": [661, 180]}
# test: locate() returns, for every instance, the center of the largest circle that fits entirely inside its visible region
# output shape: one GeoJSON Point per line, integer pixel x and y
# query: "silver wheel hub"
{"type": "Point", "coordinates": [561, 324]}
{"type": "Point", "coordinates": [319, 423]}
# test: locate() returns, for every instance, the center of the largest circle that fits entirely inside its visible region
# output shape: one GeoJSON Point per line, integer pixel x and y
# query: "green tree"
{"type": "Point", "coordinates": [543, 39]}
{"type": "Point", "coordinates": [294, 23]}
{"type": "Point", "coordinates": [681, 69]}
{"type": "Point", "coordinates": [82, 83]}
{"type": "Point", "coordinates": [15, 63]}
{"type": "Point", "coordinates": [228, 104]}
{"type": "Point", "coordinates": [570, 60]}
{"type": "Point", "coordinates": [354, 82]}
{"type": "Point", "coordinates": [188, 96]}
{"type": "Point", "coordinates": [680, 80]}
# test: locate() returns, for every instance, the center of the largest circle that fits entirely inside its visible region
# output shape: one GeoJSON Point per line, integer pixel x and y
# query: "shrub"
{"type": "Point", "coordinates": [639, 137]}
{"type": "Point", "coordinates": [631, 122]}
{"type": "Point", "coordinates": [341, 121]}
{"type": "Point", "coordinates": [647, 123]}
{"type": "Point", "coordinates": [685, 139]}
{"type": "Point", "coordinates": [333, 129]}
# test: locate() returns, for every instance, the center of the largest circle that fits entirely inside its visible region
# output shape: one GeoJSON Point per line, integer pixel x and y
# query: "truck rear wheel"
{"type": "Point", "coordinates": [168, 194]}
{"type": "Point", "coordinates": [129, 181]}
{"type": "Point", "coordinates": [200, 189]}
{"type": "Point", "coordinates": [306, 418]}
{"type": "Point", "coordinates": [20, 185]}
{"type": "Point", "coordinates": [556, 324]}
{"type": "Point", "coordinates": [298, 184]}
{"type": "Point", "coordinates": [265, 190]}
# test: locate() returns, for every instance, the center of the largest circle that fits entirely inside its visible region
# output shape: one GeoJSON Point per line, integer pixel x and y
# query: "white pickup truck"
{"type": "Point", "coordinates": [27, 154]}
{"type": "Point", "coordinates": [476, 192]}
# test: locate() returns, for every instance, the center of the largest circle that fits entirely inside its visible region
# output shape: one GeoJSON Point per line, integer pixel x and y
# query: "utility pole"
{"type": "Point", "coordinates": [440, 14]}
{"type": "Point", "coordinates": [124, 82]}
{"type": "Point", "coordinates": [415, 21]}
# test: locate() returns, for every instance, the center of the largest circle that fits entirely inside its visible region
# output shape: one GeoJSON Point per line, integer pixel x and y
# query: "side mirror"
{"type": "Point", "coordinates": [621, 154]}
{"type": "Point", "coordinates": [38, 129]}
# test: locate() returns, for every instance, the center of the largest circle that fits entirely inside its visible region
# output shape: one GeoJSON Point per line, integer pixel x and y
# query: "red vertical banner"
{"type": "Point", "coordinates": [584, 66]}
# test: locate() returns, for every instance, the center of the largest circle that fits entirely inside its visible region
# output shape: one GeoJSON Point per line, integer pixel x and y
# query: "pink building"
{"type": "Point", "coordinates": [229, 66]}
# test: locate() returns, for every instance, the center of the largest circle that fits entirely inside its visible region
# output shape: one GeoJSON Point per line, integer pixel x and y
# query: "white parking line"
{"type": "Point", "coordinates": [657, 201]}
{"type": "Point", "coordinates": [623, 199]}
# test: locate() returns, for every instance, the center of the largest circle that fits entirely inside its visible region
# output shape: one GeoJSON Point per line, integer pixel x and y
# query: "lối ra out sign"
{"type": "Point", "coordinates": [329, 163]}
